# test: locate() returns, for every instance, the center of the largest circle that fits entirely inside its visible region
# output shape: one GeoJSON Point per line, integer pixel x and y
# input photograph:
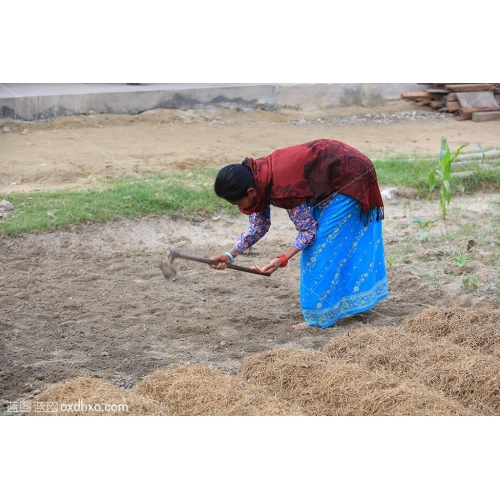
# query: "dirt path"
{"type": "Point", "coordinates": [91, 299]}
{"type": "Point", "coordinates": [78, 150]}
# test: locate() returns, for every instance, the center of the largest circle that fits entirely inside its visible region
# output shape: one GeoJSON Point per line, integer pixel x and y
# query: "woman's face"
{"type": "Point", "coordinates": [247, 201]}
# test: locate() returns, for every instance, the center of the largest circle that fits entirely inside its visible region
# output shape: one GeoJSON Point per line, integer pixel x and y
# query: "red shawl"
{"type": "Point", "coordinates": [315, 170]}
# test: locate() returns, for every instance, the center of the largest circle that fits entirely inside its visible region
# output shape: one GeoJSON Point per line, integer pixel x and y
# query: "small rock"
{"type": "Point", "coordinates": [7, 205]}
{"type": "Point", "coordinates": [6, 130]}
{"type": "Point", "coordinates": [223, 343]}
{"type": "Point", "coordinates": [24, 132]}
{"type": "Point", "coordinates": [104, 353]}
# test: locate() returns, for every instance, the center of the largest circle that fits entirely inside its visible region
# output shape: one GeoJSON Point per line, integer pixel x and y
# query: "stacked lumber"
{"type": "Point", "coordinates": [467, 101]}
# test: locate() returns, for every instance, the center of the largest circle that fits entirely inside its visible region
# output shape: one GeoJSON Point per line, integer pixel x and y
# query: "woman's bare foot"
{"type": "Point", "coordinates": [303, 326]}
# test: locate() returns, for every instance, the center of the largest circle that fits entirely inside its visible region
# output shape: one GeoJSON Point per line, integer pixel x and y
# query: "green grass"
{"type": "Point", "coordinates": [188, 195]}
{"type": "Point", "coordinates": [403, 172]}
{"type": "Point", "coordinates": [413, 173]}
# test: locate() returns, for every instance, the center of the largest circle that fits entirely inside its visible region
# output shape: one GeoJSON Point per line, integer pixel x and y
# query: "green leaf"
{"type": "Point", "coordinates": [432, 181]}
{"type": "Point", "coordinates": [442, 206]}
{"type": "Point", "coordinates": [419, 221]}
{"type": "Point", "coordinates": [431, 221]}
{"type": "Point", "coordinates": [447, 189]}
{"type": "Point", "coordinates": [469, 144]}
{"type": "Point", "coordinates": [444, 154]}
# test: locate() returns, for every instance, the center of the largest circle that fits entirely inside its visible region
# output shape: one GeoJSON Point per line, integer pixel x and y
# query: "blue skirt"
{"type": "Point", "coordinates": [343, 272]}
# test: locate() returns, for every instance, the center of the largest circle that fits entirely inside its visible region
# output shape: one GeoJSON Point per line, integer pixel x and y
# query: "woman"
{"type": "Point", "coordinates": [331, 194]}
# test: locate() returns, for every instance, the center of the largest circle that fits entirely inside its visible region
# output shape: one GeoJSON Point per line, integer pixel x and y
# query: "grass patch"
{"type": "Point", "coordinates": [413, 173]}
{"type": "Point", "coordinates": [190, 196]}
{"type": "Point", "coordinates": [405, 172]}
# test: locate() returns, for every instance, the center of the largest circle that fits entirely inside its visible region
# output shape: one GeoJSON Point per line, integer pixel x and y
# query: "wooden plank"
{"type": "Point", "coordinates": [485, 116]}
{"type": "Point", "coordinates": [436, 104]}
{"type": "Point", "coordinates": [466, 113]}
{"type": "Point", "coordinates": [453, 106]}
{"type": "Point", "coordinates": [470, 87]}
{"type": "Point", "coordinates": [477, 99]}
{"type": "Point", "coordinates": [416, 95]}
{"type": "Point", "coordinates": [473, 110]}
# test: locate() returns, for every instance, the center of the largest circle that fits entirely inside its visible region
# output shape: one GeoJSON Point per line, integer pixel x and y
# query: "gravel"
{"type": "Point", "coordinates": [378, 118]}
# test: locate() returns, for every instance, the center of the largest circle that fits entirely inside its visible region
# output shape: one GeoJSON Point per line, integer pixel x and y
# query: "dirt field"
{"type": "Point", "coordinates": [91, 299]}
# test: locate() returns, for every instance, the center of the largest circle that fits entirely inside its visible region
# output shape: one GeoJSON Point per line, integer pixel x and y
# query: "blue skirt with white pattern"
{"type": "Point", "coordinates": [343, 272]}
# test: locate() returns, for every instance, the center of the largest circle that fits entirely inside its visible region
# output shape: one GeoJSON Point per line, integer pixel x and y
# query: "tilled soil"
{"type": "Point", "coordinates": [92, 299]}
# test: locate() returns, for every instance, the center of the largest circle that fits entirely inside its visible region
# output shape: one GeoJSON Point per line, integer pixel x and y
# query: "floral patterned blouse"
{"type": "Point", "coordinates": [259, 224]}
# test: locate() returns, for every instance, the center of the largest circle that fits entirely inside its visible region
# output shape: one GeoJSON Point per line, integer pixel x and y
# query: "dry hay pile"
{"type": "Point", "coordinates": [429, 353]}
{"type": "Point", "coordinates": [91, 396]}
{"type": "Point", "coordinates": [442, 362]}
{"type": "Point", "coordinates": [200, 390]}
{"type": "Point", "coordinates": [476, 328]}
{"type": "Point", "coordinates": [322, 386]}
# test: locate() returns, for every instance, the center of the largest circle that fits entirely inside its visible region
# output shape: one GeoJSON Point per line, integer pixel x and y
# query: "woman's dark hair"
{"type": "Point", "coordinates": [233, 181]}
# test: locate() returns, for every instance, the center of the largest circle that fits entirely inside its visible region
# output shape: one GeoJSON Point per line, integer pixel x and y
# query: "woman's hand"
{"type": "Point", "coordinates": [270, 268]}
{"type": "Point", "coordinates": [277, 262]}
{"type": "Point", "coordinates": [221, 261]}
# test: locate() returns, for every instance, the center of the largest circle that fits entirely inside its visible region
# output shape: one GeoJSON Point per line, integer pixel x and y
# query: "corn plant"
{"type": "Point", "coordinates": [444, 173]}
{"type": "Point", "coordinates": [390, 262]}
{"type": "Point", "coordinates": [425, 226]}
{"type": "Point", "coordinates": [460, 260]}
{"type": "Point", "coordinates": [470, 283]}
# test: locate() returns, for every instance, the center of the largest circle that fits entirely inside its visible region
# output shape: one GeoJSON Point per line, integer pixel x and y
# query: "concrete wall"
{"type": "Point", "coordinates": [340, 95]}
{"type": "Point", "coordinates": [179, 96]}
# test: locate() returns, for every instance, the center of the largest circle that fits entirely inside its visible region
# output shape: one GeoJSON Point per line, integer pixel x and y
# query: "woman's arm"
{"type": "Point", "coordinates": [306, 225]}
{"type": "Point", "coordinates": [259, 224]}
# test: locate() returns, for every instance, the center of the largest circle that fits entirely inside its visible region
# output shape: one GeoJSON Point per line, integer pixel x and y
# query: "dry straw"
{"type": "Point", "coordinates": [476, 328]}
{"type": "Point", "coordinates": [322, 386]}
{"type": "Point", "coordinates": [201, 390]}
{"type": "Point", "coordinates": [445, 361]}
{"type": "Point", "coordinates": [91, 396]}
{"type": "Point", "coordinates": [458, 372]}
